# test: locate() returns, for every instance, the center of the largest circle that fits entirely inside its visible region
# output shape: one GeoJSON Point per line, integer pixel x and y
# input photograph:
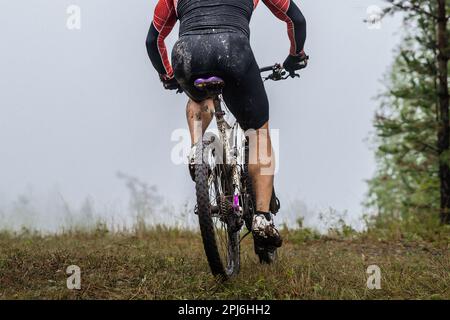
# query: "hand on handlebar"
{"type": "Point", "coordinates": [293, 63]}
{"type": "Point", "coordinates": [170, 83]}
{"type": "Point", "coordinates": [287, 69]}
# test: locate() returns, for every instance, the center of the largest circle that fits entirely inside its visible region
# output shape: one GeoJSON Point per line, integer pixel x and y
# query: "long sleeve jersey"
{"type": "Point", "coordinates": [211, 16]}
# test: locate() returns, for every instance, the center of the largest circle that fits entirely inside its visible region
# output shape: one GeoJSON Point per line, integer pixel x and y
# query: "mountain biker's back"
{"type": "Point", "coordinates": [214, 40]}
{"type": "Point", "coordinates": [214, 16]}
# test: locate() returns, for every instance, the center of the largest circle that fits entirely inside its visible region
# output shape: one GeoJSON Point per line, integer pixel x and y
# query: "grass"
{"type": "Point", "coordinates": [170, 264]}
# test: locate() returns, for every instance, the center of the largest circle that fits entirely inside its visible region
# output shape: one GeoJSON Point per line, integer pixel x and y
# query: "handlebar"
{"type": "Point", "coordinates": [279, 73]}
{"type": "Point", "coordinates": [269, 68]}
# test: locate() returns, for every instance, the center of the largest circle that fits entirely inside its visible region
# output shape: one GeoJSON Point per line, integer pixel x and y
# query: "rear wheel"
{"type": "Point", "coordinates": [219, 225]}
{"type": "Point", "coordinates": [267, 255]}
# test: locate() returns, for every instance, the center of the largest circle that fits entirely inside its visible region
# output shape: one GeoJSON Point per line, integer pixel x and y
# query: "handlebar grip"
{"type": "Point", "coordinates": [270, 68]}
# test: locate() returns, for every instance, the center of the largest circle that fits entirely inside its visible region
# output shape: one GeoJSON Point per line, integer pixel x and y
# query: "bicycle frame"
{"type": "Point", "coordinates": [234, 153]}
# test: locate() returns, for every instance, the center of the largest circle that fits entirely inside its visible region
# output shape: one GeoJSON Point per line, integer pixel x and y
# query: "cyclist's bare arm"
{"type": "Point", "coordinates": [288, 11]}
{"type": "Point", "coordinates": [164, 20]}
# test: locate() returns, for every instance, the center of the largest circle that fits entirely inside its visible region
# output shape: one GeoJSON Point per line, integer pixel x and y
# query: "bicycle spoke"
{"type": "Point", "coordinates": [220, 227]}
{"type": "Point", "coordinates": [222, 235]}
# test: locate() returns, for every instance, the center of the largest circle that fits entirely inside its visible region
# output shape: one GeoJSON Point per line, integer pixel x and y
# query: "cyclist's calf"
{"type": "Point", "coordinates": [199, 116]}
{"type": "Point", "coordinates": [261, 166]}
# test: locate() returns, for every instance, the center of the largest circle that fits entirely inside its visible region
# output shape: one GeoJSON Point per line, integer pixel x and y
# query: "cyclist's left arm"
{"type": "Point", "coordinates": [288, 11]}
{"type": "Point", "coordinates": [164, 20]}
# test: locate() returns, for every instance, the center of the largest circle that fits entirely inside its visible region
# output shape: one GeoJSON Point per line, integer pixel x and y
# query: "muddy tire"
{"type": "Point", "coordinates": [222, 265]}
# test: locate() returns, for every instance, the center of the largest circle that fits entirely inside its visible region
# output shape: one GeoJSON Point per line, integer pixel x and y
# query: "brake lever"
{"type": "Point", "coordinates": [278, 73]}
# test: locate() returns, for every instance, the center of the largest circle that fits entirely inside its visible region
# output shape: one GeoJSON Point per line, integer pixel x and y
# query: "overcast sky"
{"type": "Point", "coordinates": [76, 106]}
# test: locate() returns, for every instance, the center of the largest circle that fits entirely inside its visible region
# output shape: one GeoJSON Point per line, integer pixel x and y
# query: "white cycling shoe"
{"type": "Point", "coordinates": [264, 231]}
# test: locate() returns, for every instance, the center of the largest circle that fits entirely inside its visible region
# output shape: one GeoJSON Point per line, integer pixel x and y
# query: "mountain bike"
{"type": "Point", "coordinates": [225, 197]}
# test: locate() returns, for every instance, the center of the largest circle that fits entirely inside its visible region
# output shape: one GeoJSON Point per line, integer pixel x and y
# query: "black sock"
{"type": "Point", "coordinates": [266, 214]}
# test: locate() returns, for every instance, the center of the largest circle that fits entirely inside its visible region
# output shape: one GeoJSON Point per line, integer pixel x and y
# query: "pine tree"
{"type": "Point", "coordinates": [412, 123]}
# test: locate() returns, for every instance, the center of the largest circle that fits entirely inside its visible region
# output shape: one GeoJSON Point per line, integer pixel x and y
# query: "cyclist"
{"type": "Point", "coordinates": [214, 40]}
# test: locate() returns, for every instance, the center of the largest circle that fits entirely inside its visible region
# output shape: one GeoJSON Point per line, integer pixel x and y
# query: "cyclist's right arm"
{"type": "Point", "coordinates": [163, 22]}
{"type": "Point", "coordinates": [288, 11]}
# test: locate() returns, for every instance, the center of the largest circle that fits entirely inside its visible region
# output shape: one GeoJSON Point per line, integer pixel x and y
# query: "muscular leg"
{"type": "Point", "coordinates": [199, 116]}
{"type": "Point", "coordinates": [261, 167]}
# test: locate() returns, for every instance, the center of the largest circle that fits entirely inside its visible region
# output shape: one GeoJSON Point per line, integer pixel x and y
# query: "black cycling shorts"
{"type": "Point", "coordinates": [227, 55]}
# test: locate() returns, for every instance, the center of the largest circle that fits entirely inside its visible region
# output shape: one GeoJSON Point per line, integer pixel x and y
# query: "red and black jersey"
{"type": "Point", "coordinates": [213, 16]}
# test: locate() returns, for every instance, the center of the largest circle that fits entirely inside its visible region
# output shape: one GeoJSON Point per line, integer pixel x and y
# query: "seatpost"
{"type": "Point", "coordinates": [219, 113]}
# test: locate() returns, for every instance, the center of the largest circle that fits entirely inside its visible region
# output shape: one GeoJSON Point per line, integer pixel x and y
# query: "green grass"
{"type": "Point", "coordinates": [170, 264]}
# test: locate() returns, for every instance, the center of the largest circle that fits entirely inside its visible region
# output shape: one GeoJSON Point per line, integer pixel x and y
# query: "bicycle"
{"type": "Point", "coordinates": [225, 198]}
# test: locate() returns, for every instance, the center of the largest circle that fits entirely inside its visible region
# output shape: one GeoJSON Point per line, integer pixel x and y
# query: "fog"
{"type": "Point", "coordinates": [79, 106]}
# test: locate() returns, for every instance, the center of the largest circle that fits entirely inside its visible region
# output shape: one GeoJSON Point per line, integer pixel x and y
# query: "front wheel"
{"type": "Point", "coordinates": [219, 225]}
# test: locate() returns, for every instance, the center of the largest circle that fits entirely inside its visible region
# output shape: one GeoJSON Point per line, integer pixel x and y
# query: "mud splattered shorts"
{"type": "Point", "coordinates": [227, 55]}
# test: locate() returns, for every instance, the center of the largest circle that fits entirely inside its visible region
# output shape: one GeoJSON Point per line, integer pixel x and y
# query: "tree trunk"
{"type": "Point", "coordinates": [444, 122]}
